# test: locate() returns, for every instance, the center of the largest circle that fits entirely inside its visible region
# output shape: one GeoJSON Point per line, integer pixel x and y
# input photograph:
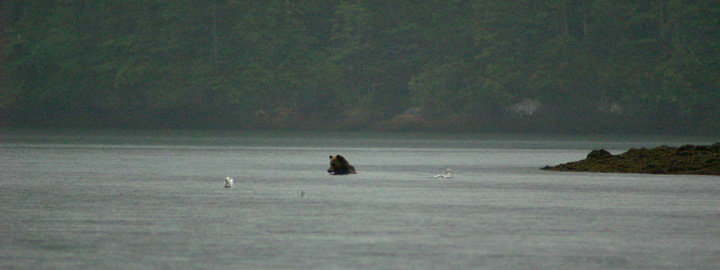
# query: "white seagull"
{"type": "Point", "coordinates": [448, 174]}
{"type": "Point", "coordinates": [228, 182]}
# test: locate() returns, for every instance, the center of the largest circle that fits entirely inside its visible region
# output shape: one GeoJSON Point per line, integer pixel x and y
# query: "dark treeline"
{"type": "Point", "coordinates": [482, 65]}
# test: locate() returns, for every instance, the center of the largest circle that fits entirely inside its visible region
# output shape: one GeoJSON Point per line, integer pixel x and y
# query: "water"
{"type": "Point", "coordinates": [155, 199]}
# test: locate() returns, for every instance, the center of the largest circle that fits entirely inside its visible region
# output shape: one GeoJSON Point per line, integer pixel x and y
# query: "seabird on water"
{"type": "Point", "coordinates": [448, 174]}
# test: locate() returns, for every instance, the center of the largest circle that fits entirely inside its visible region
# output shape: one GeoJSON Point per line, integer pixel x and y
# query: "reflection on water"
{"type": "Point", "coordinates": [155, 199]}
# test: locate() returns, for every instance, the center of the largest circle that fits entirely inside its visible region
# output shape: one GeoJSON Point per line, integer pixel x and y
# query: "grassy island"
{"type": "Point", "coordinates": [687, 159]}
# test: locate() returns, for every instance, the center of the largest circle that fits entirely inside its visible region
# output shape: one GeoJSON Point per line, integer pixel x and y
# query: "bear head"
{"type": "Point", "coordinates": [340, 166]}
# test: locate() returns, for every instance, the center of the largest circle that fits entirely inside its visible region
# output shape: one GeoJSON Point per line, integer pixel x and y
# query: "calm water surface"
{"type": "Point", "coordinates": [155, 200]}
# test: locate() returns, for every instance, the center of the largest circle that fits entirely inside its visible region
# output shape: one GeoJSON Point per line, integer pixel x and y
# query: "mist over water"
{"type": "Point", "coordinates": [155, 199]}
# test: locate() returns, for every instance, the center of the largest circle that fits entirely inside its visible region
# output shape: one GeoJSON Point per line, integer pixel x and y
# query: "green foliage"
{"type": "Point", "coordinates": [289, 64]}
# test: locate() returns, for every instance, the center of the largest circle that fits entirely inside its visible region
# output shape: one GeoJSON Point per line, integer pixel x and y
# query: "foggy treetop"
{"type": "Point", "coordinates": [475, 65]}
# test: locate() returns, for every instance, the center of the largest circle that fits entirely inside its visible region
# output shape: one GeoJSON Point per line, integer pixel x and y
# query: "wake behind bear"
{"type": "Point", "coordinates": [340, 166]}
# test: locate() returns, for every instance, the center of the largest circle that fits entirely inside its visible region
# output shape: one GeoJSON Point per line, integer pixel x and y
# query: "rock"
{"type": "Point", "coordinates": [598, 154]}
{"type": "Point", "coordinates": [687, 159]}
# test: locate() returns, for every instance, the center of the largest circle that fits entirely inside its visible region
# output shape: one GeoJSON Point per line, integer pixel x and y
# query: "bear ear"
{"type": "Point", "coordinates": [330, 157]}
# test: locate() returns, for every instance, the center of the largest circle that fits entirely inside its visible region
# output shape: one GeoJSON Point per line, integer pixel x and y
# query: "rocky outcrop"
{"type": "Point", "coordinates": [688, 159]}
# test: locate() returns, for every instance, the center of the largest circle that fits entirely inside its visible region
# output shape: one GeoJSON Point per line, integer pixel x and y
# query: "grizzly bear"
{"type": "Point", "coordinates": [340, 166]}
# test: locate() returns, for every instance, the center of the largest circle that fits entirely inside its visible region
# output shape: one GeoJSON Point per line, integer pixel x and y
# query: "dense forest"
{"type": "Point", "coordinates": [586, 66]}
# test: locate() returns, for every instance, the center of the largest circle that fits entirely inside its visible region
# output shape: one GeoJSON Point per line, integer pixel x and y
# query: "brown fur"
{"type": "Point", "coordinates": [340, 166]}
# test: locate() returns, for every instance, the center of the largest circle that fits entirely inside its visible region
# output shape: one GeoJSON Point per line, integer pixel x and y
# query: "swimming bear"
{"type": "Point", "coordinates": [340, 166]}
